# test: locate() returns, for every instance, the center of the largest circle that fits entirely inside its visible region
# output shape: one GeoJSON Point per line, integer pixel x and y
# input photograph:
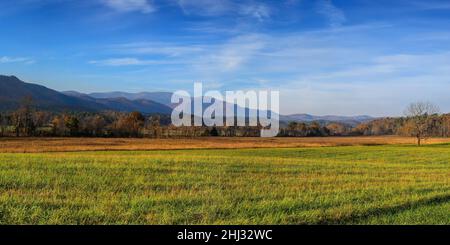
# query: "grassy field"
{"type": "Point", "coordinates": [383, 184]}
{"type": "Point", "coordinates": [34, 145]}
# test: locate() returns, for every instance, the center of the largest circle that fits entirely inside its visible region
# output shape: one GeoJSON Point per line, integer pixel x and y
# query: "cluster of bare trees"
{"type": "Point", "coordinates": [300, 129]}
{"type": "Point", "coordinates": [106, 124]}
{"type": "Point", "coordinates": [26, 122]}
{"type": "Point", "coordinates": [421, 120]}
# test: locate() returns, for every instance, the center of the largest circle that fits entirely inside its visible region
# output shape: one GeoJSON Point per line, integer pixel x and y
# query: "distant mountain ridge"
{"type": "Point", "coordinates": [165, 97]}
{"type": "Point", "coordinates": [350, 120]}
{"type": "Point", "coordinates": [159, 97]}
{"type": "Point", "coordinates": [125, 104]}
{"type": "Point", "coordinates": [13, 90]}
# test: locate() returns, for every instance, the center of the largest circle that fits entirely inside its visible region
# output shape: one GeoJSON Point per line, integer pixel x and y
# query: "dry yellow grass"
{"type": "Point", "coordinates": [28, 145]}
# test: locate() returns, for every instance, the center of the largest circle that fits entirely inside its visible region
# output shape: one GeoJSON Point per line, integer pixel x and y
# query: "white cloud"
{"type": "Point", "coordinates": [208, 58]}
{"type": "Point", "coordinates": [158, 48]}
{"type": "Point", "coordinates": [143, 6]}
{"type": "Point", "coordinates": [430, 5]}
{"type": "Point", "coordinates": [383, 86]}
{"type": "Point", "coordinates": [25, 60]}
{"type": "Point", "coordinates": [320, 71]}
{"type": "Point", "coordinates": [250, 53]}
{"type": "Point", "coordinates": [234, 54]}
{"type": "Point", "coordinates": [258, 11]}
{"type": "Point", "coordinates": [205, 7]}
{"type": "Point", "coordinates": [255, 10]}
{"type": "Point", "coordinates": [123, 62]}
{"type": "Point", "coordinates": [334, 15]}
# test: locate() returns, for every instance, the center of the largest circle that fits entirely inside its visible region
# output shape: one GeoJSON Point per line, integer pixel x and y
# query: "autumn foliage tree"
{"type": "Point", "coordinates": [95, 125]}
{"type": "Point", "coordinates": [336, 129]}
{"type": "Point", "coordinates": [58, 126]}
{"type": "Point", "coordinates": [129, 125]}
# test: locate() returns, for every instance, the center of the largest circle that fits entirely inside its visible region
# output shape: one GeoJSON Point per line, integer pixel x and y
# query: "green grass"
{"type": "Point", "coordinates": [324, 185]}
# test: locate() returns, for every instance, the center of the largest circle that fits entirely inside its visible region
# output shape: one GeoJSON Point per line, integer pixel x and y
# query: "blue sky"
{"type": "Point", "coordinates": [324, 56]}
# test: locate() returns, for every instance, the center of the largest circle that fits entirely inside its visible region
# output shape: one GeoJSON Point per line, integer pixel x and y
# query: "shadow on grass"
{"type": "Point", "coordinates": [431, 145]}
{"type": "Point", "coordinates": [438, 145]}
{"type": "Point", "coordinates": [374, 212]}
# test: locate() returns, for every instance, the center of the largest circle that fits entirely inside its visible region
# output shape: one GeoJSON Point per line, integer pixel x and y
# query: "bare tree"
{"type": "Point", "coordinates": [23, 118]}
{"type": "Point", "coordinates": [154, 126]}
{"type": "Point", "coordinates": [2, 124]}
{"type": "Point", "coordinates": [59, 126]}
{"type": "Point", "coordinates": [446, 125]}
{"type": "Point", "coordinates": [97, 124]}
{"type": "Point", "coordinates": [420, 117]}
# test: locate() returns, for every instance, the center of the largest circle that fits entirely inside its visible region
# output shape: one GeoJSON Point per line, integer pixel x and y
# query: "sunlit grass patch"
{"type": "Point", "coordinates": [394, 184]}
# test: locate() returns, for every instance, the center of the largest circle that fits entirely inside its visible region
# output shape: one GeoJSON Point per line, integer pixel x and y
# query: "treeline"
{"type": "Point", "coordinates": [27, 121]}
{"type": "Point", "coordinates": [436, 126]}
{"type": "Point", "coordinates": [104, 124]}
{"type": "Point", "coordinates": [300, 129]}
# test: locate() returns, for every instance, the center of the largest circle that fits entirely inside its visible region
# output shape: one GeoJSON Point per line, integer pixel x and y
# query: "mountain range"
{"type": "Point", "coordinates": [159, 97]}
{"type": "Point", "coordinates": [122, 103]}
{"type": "Point", "coordinates": [350, 120]}
{"type": "Point", "coordinates": [13, 90]}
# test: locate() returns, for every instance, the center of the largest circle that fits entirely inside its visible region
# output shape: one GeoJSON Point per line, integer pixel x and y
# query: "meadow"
{"type": "Point", "coordinates": [61, 144]}
{"type": "Point", "coordinates": [355, 184]}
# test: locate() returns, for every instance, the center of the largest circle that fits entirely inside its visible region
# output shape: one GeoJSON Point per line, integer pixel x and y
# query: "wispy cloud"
{"type": "Point", "coordinates": [257, 10]}
{"type": "Point", "coordinates": [233, 54]}
{"type": "Point", "coordinates": [158, 48]}
{"type": "Point", "coordinates": [386, 81]}
{"type": "Point", "coordinates": [24, 60]}
{"type": "Point", "coordinates": [122, 62]}
{"type": "Point", "coordinates": [431, 4]}
{"type": "Point", "coordinates": [143, 6]}
{"type": "Point", "coordinates": [205, 7]}
{"type": "Point", "coordinates": [313, 65]}
{"type": "Point", "coordinates": [333, 14]}
{"type": "Point", "coordinates": [228, 56]}
{"type": "Point", "coordinates": [253, 53]}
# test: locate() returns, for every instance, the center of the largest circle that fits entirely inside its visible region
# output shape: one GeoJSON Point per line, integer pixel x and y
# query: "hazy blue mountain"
{"type": "Point", "coordinates": [13, 91]}
{"type": "Point", "coordinates": [351, 120]}
{"type": "Point", "coordinates": [159, 97]}
{"type": "Point", "coordinates": [124, 104]}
